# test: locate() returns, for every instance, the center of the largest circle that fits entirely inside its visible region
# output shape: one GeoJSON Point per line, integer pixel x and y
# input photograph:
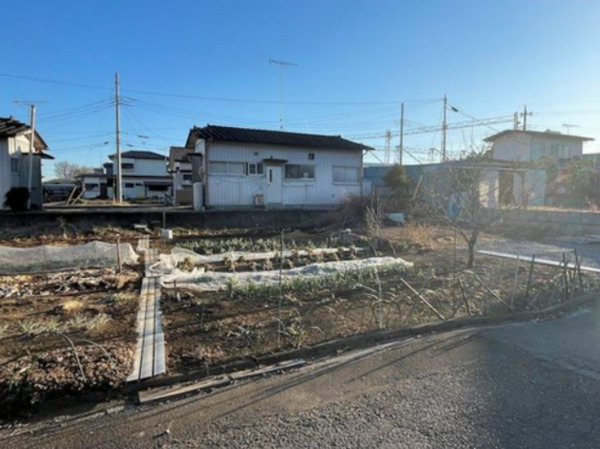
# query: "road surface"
{"type": "Point", "coordinates": [531, 385]}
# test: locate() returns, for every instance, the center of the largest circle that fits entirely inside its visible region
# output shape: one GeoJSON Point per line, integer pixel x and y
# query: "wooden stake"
{"type": "Point", "coordinates": [464, 296]}
{"type": "Point", "coordinates": [119, 263]}
{"type": "Point", "coordinates": [578, 267]}
{"type": "Point", "coordinates": [512, 296]}
{"type": "Point", "coordinates": [478, 279]}
{"type": "Point", "coordinates": [423, 300]}
{"type": "Point", "coordinates": [529, 279]}
{"type": "Point", "coordinates": [565, 276]}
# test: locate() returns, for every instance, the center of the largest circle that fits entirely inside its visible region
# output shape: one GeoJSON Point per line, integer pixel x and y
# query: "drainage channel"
{"type": "Point", "coordinates": [150, 348]}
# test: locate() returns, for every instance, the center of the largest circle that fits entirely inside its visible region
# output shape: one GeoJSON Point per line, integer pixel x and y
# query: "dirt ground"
{"type": "Point", "coordinates": [218, 327]}
{"type": "Point", "coordinates": [65, 332]}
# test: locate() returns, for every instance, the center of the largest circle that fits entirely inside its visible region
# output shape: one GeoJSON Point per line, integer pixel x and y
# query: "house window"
{"type": "Point", "coordinates": [255, 169]}
{"type": "Point", "coordinates": [293, 171]}
{"type": "Point", "coordinates": [187, 178]}
{"type": "Point", "coordinates": [227, 168]}
{"type": "Point", "coordinates": [346, 175]}
{"type": "Point", "coordinates": [91, 186]}
{"type": "Point", "coordinates": [14, 165]}
{"type": "Point", "coordinates": [127, 165]}
{"type": "Point", "coordinates": [311, 156]}
{"type": "Point", "coordinates": [129, 185]}
{"type": "Point", "coordinates": [565, 152]}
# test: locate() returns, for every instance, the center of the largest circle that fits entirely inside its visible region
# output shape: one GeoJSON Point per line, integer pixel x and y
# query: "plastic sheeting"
{"type": "Point", "coordinates": [55, 258]}
{"type": "Point", "coordinates": [169, 262]}
{"type": "Point", "coordinates": [199, 280]}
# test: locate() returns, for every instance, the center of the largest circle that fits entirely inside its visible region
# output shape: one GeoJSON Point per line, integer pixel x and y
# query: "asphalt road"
{"type": "Point", "coordinates": [523, 385]}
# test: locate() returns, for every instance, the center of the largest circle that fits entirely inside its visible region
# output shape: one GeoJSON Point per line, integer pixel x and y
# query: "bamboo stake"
{"type": "Point", "coordinates": [423, 300]}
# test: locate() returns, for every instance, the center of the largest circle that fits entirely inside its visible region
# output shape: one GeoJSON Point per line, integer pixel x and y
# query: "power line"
{"type": "Point", "coordinates": [211, 98]}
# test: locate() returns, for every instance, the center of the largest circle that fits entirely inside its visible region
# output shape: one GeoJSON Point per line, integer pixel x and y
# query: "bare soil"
{"type": "Point", "coordinates": [215, 327]}
{"type": "Point", "coordinates": [45, 320]}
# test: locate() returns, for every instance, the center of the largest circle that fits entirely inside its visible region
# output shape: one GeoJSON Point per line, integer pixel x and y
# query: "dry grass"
{"type": "Point", "coordinates": [423, 235]}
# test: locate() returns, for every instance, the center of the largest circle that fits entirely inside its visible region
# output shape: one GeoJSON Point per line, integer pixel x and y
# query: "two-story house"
{"type": "Point", "coordinates": [15, 163]}
{"type": "Point", "coordinates": [144, 176]}
{"type": "Point", "coordinates": [531, 146]}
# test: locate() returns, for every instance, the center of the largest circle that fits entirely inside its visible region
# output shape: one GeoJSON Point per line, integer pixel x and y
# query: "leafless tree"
{"type": "Point", "coordinates": [67, 170]}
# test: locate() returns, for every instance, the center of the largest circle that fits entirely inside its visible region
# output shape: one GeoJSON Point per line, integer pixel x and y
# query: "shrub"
{"type": "Point", "coordinates": [16, 199]}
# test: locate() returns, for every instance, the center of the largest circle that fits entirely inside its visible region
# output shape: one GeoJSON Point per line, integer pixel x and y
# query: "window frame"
{"type": "Point", "coordinates": [256, 165]}
{"type": "Point", "coordinates": [125, 166]}
{"type": "Point", "coordinates": [313, 168]}
{"type": "Point", "coordinates": [129, 185]}
{"type": "Point", "coordinates": [227, 168]}
{"type": "Point", "coordinates": [345, 181]}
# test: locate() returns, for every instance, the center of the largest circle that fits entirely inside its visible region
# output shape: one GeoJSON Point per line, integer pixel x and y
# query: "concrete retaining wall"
{"type": "Point", "coordinates": [552, 221]}
{"type": "Point", "coordinates": [215, 219]}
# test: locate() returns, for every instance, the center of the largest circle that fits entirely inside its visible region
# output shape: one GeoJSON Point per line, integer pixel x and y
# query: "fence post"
{"type": "Point", "coordinates": [529, 279]}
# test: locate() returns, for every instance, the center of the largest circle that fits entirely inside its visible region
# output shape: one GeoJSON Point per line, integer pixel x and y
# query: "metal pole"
{"type": "Point", "coordinates": [119, 184]}
{"type": "Point", "coordinates": [525, 118]}
{"type": "Point", "coordinates": [31, 150]}
{"type": "Point", "coordinates": [444, 129]}
{"type": "Point", "coordinates": [401, 147]}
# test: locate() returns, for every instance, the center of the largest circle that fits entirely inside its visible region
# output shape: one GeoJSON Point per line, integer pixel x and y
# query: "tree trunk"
{"type": "Point", "coordinates": [472, 242]}
{"type": "Point", "coordinates": [471, 261]}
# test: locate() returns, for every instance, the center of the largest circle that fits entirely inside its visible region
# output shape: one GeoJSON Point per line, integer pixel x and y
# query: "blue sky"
{"type": "Point", "coordinates": [489, 57]}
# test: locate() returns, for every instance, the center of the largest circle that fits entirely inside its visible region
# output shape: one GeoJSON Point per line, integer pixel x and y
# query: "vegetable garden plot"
{"type": "Point", "coordinates": [181, 256]}
{"type": "Point", "coordinates": [56, 258]}
{"type": "Point", "coordinates": [199, 280]}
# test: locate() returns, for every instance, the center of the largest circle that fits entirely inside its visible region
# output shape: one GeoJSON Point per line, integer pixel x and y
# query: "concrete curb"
{"type": "Point", "coordinates": [361, 341]}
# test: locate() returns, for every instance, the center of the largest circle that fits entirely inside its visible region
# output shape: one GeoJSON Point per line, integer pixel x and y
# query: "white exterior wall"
{"type": "Point", "coordinates": [5, 175]}
{"type": "Point", "coordinates": [239, 190]}
{"type": "Point", "coordinates": [90, 194]}
{"type": "Point", "coordinates": [512, 147]}
{"type": "Point", "coordinates": [525, 148]}
{"type": "Point", "coordinates": [18, 148]}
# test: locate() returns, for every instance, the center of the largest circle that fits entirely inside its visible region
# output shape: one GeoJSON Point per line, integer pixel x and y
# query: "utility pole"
{"type": "Point", "coordinates": [444, 129]}
{"type": "Point", "coordinates": [388, 141]}
{"type": "Point", "coordinates": [282, 65]}
{"type": "Point", "coordinates": [31, 150]}
{"type": "Point", "coordinates": [118, 193]}
{"type": "Point", "coordinates": [525, 114]}
{"type": "Point", "coordinates": [401, 143]}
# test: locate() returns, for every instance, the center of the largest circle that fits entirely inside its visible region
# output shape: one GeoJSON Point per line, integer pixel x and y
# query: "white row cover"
{"type": "Point", "coordinates": [199, 280]}
{"type": "Point", "coordinates": [169, 262]}
{"type": "Point", "coordinates": [48, 258]}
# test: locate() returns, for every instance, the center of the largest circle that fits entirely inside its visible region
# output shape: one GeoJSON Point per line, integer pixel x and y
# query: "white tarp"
{"type": "Point", "coordinates": [199, 280]}
{"type": "Point", "coordinates": [168, 262]}
{"type": "Point", "coordinates": [52, 258]}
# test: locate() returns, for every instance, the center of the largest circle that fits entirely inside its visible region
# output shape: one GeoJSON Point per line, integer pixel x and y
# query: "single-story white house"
{"type": "Point", "coordinates": [15, 163]}
{"type": "Point", "coordinates": [242, 167]}
{"type": "Point", "coordinates": [144, 175]}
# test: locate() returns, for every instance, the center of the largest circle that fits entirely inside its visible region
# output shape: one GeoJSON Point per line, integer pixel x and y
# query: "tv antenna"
{"type": "Point", "coordinates": [568, 126]}
{"type": "Point", "coordinates": [282, 66]}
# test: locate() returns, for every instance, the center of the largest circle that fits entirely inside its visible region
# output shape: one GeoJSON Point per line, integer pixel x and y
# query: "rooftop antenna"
{"type": "Point", "coordinates": [569, 126]}
{"type": "Point", "coordinates": [282, 65]}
